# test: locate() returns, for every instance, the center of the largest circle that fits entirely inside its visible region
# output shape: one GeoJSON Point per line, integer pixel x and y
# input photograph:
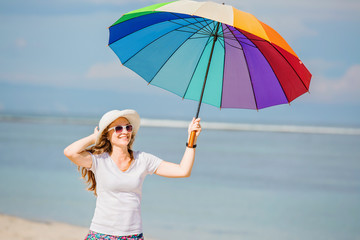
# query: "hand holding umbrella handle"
{"type": "Point", "coordinates": [194, 131]}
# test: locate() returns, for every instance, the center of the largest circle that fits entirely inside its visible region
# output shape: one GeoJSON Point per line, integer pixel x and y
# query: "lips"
{"type": "Point", "coordinates": [124, 137]}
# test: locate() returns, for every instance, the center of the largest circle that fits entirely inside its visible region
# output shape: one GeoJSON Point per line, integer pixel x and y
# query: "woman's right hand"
{"type": "Point", "coordinates": [96, 131]}
{"type": "Point", "coordinates": [77, 153]}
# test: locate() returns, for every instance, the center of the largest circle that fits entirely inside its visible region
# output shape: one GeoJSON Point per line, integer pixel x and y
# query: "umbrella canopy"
{"type": "Point", "coordinates": [210, 53]}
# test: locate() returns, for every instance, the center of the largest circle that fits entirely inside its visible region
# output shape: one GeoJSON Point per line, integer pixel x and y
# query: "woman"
{"type": "Point", "coordinates": [116, 173]}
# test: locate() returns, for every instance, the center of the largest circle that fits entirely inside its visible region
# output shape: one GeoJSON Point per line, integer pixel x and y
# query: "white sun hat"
{"type": "Point", "coordinates": [131, 115]}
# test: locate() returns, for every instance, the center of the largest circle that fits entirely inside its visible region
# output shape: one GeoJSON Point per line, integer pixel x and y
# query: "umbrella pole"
{"type": "Point", "coordinates": [193, 133]}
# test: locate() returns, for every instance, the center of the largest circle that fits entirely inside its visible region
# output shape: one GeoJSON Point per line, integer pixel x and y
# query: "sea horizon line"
{"type": "Point", "coordinates": [168, 123]}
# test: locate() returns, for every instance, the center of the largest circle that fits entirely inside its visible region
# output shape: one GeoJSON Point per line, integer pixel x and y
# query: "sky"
{"type": "Point", "coordinates": [54, 60]}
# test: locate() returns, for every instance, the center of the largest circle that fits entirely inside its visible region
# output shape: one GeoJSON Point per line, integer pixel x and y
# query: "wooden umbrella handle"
{"type": "Point", "coordinates": [191, 139]}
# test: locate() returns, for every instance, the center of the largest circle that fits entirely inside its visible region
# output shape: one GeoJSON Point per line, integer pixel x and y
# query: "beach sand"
{"type": "Point", "coordinates": [21, 229]}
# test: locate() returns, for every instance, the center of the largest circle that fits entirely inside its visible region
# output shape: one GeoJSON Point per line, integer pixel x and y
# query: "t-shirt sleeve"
{"type": "Point", "coordinates": [94, 163]}
{"type": "Point", "coordinates": [152, 163]}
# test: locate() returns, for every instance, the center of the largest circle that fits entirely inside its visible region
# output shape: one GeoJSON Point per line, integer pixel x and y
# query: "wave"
{"type": "Point", "coordinates": [167, 123]}
{"type": "Point", "coordinates": [254, 127]}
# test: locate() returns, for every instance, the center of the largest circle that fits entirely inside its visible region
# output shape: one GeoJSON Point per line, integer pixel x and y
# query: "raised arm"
{"type": "Point", "coordinates": [173, 170]}
{"type": "Point", "coordinates": [76, 151]}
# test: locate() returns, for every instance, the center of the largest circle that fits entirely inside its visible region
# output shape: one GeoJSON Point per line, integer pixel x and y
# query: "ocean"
{"type": "Point", "coordinates": [255, 184]}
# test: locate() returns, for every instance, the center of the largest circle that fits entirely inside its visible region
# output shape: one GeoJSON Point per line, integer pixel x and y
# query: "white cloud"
{"type": "Point", "coordinates": [110, 75]}
{"type": "Point", "coordinates": [319, 64]}
{"type": "Point", "coordinates": [343, 89]}
{"type": "Point", "coordinates": [321, 67]}
{"type": "Point", "coordinates": [117, 76]}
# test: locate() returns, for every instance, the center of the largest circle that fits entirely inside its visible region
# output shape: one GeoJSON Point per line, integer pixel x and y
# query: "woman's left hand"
{"type": "Point", "coordinates": [195, 126]}
{"type": "Point", "coordinates": [172, 170]}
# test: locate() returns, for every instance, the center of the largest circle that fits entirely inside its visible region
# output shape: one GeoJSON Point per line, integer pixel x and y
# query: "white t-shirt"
{"type": "Point", "coordinates": [118, 200]}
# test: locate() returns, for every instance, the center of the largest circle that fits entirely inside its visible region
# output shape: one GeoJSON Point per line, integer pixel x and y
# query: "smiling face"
{"type": "Point", "coordinates": [119, 139]}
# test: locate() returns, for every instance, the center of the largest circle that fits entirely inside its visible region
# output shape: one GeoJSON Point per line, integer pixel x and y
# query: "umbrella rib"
{"type": "Point", "coordinates": [185, 19]}
{"type": "Point", "coordinates": [204, 30]}
{"type": "Point", "coordinates": [226, 30]}
{"type": "Point", "coordinates": [307, 89]}
{"type": "Point", "coordinates": [148, 44]}
{"type": "Point", "coordinates": [187, 26]}
{"type": "Point", "coordinates": [213, 29]}
{"type": "Point", "coordinates": [192, 75]}
{"type": "Point", "coordinates": [222, 44]}
{"type": "Point", "coordinates": [228, 35]}
{"type": "Point", "coordinates": [246, 43]}
{"type": "Point", "coordinates": [252, 40]}
{"type": "Point", "coordinates": [207, 28]}
{"type": "Point", "coordinates": [277, 78]}
{"type": "Point", "coordinates": [169, 58]}
{"type": "Point", "coordinates": [198, 32]}
{"type": "Point", "coordinates": [243, 42]}
{"type": "Point", "coordinates": [205, 36]}
{"type": "Point", "coordinates": [231, 38]}
{"type": "Point", "coordinates": [172, 21]}
{"type": "Point", "coordinates": [233, 45]}
{"type": "Point", "coordinates": [237, 39]}
{"type": "Point", "coordinates": [201, 30]}
{"type": "Point", "coordinates": [204, 26]}
{"type": "Point", "coordinates": [247, 66]}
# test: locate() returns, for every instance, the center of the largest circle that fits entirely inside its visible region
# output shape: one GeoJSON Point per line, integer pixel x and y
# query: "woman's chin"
{"type": "Point", "coordinates": [121, 143]}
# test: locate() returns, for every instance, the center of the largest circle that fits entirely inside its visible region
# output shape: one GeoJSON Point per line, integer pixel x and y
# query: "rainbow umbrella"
{"type": "Point", "coordinates": [211, 53]}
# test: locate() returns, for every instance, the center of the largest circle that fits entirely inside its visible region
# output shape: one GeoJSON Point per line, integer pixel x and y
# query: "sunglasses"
{"type": "Point", "coordinates": [119, 129]}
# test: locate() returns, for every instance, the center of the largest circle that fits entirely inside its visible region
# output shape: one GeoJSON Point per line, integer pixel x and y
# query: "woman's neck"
{"type": "Point", "coordinates": [120, 154]}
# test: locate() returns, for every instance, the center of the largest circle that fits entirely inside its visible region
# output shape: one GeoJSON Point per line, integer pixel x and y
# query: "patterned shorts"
{"type": "Point", "coordinates": [100, 236]}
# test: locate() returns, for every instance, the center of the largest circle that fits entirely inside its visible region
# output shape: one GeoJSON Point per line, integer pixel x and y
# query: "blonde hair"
{"type": "Point", "coordinates": [104, 145]}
